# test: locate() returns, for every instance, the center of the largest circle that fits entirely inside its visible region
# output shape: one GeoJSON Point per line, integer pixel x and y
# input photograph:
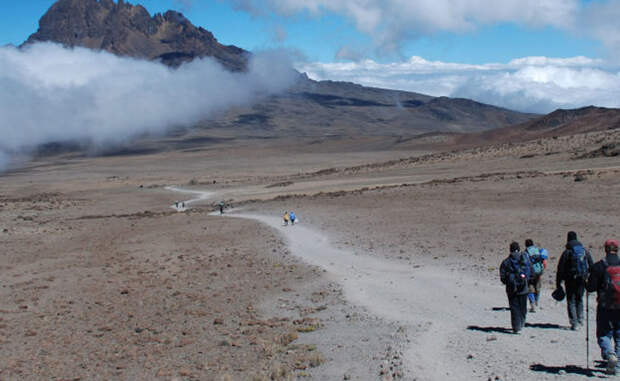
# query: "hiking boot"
{"type": "Point", "coordinates": [612, 360]}
{"type": "Point", "coordinates": [532, 309]}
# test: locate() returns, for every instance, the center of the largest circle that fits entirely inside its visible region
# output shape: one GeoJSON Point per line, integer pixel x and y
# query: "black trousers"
{"type": "Point", "coordinates": [518, 311]}
{"type": "Point", "coordinates": [574, 301]}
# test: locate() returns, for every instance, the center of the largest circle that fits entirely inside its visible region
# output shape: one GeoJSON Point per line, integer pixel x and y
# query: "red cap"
{"type": "Point", "coordinates": [612, 243]}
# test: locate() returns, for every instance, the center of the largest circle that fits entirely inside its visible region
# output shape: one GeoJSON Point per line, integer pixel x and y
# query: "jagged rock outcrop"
{"type": "Point", "coordinates": [130, 30]}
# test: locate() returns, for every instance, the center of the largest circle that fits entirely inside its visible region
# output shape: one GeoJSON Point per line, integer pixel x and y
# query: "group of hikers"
{"type": "Point", "coordinates": [289, 217]}
{"type": "Point", "coordinates": [521, 273]}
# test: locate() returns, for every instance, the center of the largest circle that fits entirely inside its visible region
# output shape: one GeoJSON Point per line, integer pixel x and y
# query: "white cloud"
{"type": "Point", "coordinates": [390, 22]}
{"type": "Point", "coordinates": [600, 20]}
{"type": "Point", "coordinates": [533, 84]}
{"type": "Point", "coordinates": [51, 94]}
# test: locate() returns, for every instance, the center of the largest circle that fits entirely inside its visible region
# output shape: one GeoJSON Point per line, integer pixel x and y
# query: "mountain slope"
{"type": "Point", "coordinates": [312, 108]}
{"type": "Point", "coordinates": [309, 108]}
{"type": "Point", "coordinates": [558, 123]}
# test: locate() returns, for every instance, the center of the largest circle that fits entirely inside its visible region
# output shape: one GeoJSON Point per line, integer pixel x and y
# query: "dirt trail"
{"type": "Point", "coordinates": [200, 196]}
{"type": "Point", "coordinates": [457, 323]}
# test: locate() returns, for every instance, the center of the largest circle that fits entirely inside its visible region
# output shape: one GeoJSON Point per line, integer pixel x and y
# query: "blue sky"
{"type": "Point", "coordinates": [528, 55]}
{"type": "Point", "coordinates": [320, 36]}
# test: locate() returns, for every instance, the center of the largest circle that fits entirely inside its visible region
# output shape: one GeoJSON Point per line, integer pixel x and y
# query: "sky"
{"type": "Point", "coordinates": [526, 55]}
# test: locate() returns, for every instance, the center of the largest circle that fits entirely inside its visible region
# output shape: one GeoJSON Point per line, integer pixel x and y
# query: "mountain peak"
{"type": "Point", "coordinates": [125, 29]}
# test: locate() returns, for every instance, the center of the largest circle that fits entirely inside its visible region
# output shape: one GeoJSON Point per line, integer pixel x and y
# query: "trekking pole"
{"type": "Point", "coordinates": [587, 331]}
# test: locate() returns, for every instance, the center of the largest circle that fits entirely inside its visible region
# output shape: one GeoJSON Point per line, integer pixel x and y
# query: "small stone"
{"type": "Point", "coordinates": [470, 356]}
{"type": "Point", "coordinates": [492, 338]}
{"type": "Point", "coordinates": [347, 376]}
{"type": "Point", "coordinates": [218, 321]}
{"type": "Point", "coordinates": [562, 372]}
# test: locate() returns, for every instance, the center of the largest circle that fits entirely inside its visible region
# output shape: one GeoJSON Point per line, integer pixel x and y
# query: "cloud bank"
{"type": "Point", "coordinates": [530, 84]}
{"type": "Point", "coordinates": [53, 94]}
{"type": "Point", "coordinates": [391, 22]}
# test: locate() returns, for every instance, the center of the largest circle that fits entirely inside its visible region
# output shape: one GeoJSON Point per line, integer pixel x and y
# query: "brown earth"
{"type": "Point", "coordinates": [101, 279]}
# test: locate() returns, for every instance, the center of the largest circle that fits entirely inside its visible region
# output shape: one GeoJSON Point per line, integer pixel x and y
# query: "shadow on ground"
{"type": "Point", "coordinates": [546, 326]}
{"type": "Point", "coordinates": [567, 369]}
{"type": "Point", "coordinates": [489, 329]}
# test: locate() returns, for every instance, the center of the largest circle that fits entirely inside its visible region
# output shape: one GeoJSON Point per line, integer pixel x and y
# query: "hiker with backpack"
{"type": "Point", "coordinates": [286, 218]}
{"type": "Point", "coordinates": [605, 280]}
{"type": "Point", "coordinates": [515, 273]}
{"type": "Point", "coordinates": [538, 260]}
{"type": "Point", "coordinates": [573, 269]}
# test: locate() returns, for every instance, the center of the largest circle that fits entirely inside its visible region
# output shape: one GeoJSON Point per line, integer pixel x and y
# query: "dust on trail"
{"type": "Point", "coordinates": [457, 323]}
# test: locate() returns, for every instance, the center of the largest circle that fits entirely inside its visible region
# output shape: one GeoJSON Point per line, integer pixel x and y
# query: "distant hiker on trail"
{"type": "Point", "coordinates": [515, 273]}
{"type": "Point", "coordinates": [221, 205]}
{"type": "Point", "coordinates": [538, 260]}
{"type": "Point", "coordinates": [605, 280]}
{"type": "Point", "coordinates": [183, 205]}
{"type": "Point", "coordinates": [292, 217]}
{"type": "Point", "coordinates": [286, 218]}
{"type": "Point", "coordinates": [176, 204]}
{"type": "Point", "coordinates": [573, 269]}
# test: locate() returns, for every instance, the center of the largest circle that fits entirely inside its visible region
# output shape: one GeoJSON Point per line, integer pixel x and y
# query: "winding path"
{"type": "Point", "coordinates": [457, 322]}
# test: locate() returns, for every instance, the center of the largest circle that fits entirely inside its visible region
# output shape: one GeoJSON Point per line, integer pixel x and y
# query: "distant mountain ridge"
{"type": "Point", "coordinates": [129, 30]}
{"type": "Point", "coordinates": [308, 108]}
{"type": "Point", "coordinates": [557, 123]}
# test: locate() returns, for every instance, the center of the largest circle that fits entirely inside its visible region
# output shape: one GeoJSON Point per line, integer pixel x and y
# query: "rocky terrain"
{"type": "Point", "coordinates": [129, 30]}
{"type": "Point", "coordinates": [103, 280]}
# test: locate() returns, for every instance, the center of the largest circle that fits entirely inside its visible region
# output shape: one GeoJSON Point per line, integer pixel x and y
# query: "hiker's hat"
{"type": "Point", "coordinates": [558, 294]}
{"type": "Point", "coordinates": [611, 244]}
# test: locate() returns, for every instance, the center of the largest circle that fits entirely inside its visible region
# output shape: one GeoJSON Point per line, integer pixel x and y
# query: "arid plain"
{"type": "Point", "coordinates": [103, 279]}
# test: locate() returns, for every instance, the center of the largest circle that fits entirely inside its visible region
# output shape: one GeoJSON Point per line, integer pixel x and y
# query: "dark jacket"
{"type": "Point", "coordinates": [513, 270]}
{"type": "Point", "coordinates": [563, 273]}
{"type": "Point", "coordinates": [597, 281]}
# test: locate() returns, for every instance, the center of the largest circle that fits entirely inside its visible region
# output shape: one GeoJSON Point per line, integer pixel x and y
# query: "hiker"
{"type": "Point", "coordinates": [183, 205]}
{"type": "Point", "coordinates": [605, 280]}
{"type": "Point", "coordinates": [222, 204]}
{"type": "Point", "coordinates": [286, 218]}
{"type": "Point", "coordinates": [573, 269]}
{"type": "Point", "coordinates": [176, 204]}
{"type": "Point", "coordinates": [538, 260]}
{"type": "Point", "coordinates": [292, 217]}
{"type": "Point", "coordinates": [515, 272]}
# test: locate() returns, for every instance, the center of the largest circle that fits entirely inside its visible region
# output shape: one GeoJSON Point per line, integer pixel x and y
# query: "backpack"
{"type": "Point", "coordinates": [612, 286]}
{"type": "Point", "coordinates": [517, 280]}
{"type": "Point", "coordinates": [578, 262]}
{"type": "Point", "coordinates": [536, 259]}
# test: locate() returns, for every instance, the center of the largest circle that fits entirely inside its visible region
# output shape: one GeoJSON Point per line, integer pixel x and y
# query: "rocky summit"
{"type": "Point", "coordinates": [130, 30]}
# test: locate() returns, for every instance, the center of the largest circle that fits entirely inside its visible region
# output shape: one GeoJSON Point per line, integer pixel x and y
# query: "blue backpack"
{"type": "Point", "coordinates": [519, 275]}
{"type": "Point", "coordinates": [578, 262]}
{"type": "Point", "coordinates": [536, 259]}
